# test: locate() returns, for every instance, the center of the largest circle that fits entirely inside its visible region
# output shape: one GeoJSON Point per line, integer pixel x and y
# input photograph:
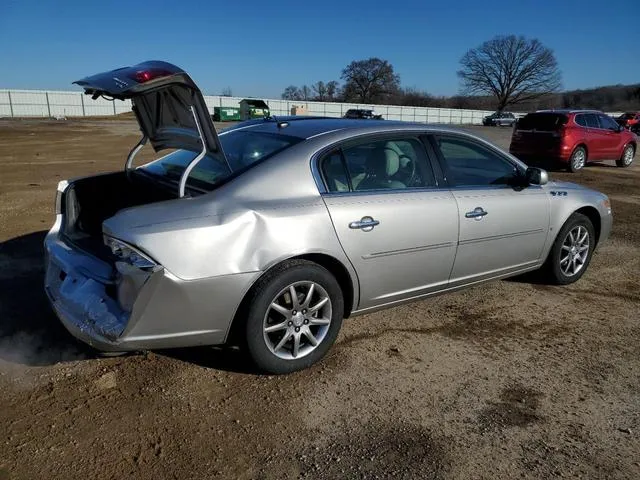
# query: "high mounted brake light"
{"type": "Point", "coordinates": [143, 76]}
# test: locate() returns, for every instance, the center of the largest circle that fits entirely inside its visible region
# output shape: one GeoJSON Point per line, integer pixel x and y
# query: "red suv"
{"type": "Point", "coordinates": [629, 119]}
{"type": "Point", "coordinates": [572, 137]}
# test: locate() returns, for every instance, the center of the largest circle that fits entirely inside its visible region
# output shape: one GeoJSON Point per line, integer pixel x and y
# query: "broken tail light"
{"type": "Point", "coordinates": [129, 254]}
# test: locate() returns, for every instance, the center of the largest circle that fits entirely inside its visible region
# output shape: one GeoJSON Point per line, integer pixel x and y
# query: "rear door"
{"type": "Point", "coordinates": [503, 228]}
{"type": "Point", "coordinates": [396, 225]}
{"type": "Point", "coordinates": [612, 137]}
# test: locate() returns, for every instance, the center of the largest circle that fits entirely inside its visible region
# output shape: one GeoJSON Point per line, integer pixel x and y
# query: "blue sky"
{"type": "Point", "coordinates": [259, 47]}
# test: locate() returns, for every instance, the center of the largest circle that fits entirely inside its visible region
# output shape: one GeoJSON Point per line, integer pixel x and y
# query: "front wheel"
{"type": "Point", "coordinates": [626, 159]}
{"type": "Point", "coordinates": [294, 315]}
{"type": "Point", "coordinates": [571, 252]}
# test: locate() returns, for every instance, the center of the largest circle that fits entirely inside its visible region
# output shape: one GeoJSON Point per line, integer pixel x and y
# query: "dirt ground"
{"type": "Point", "coordinates": [509, 380]}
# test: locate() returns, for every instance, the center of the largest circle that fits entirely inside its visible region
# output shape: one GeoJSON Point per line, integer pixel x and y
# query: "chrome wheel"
{"type": "Point", "coordinates": [627, 156]}
{"type": "Point", "coordinates": [297, 320]}
{"type": "Point", "coordinates": [574, 251]}
{"type": "Point", "coordinates": [578, 159]}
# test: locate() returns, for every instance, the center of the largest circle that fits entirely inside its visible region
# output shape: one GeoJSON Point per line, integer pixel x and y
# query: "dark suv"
{"type": "Point", "coordinates": [573, 138]}
{"type": "Point", "coordinates": [499, 119]}
{"type": "Point", "coordinates": [362, 113]}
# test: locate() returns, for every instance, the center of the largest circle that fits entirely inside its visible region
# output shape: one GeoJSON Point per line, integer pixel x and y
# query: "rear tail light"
{"type": "Point", "coordinates": [143, 76]}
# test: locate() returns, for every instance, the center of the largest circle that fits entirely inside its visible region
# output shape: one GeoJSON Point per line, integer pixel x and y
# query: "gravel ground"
{"type": "Point", "coordinates": [513, 379]}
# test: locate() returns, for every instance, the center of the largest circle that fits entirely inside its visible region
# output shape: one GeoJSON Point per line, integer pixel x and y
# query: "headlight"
{"type": "Point", "coordinates": [129, 254]}
{"type": "Point", "coordinates": [606, 204]}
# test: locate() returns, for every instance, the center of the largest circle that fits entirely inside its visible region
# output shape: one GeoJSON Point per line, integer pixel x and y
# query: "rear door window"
{"type": "Point", "coordinates": [391, 164]}
{"type": "Point", "coordinates": [581, 120]}
{"type": "Point", "coordinates": [607, 122]}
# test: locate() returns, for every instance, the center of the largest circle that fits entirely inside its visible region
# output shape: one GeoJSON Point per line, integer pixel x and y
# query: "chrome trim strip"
{"type": "Point", "coordinates": [498, 237]}
{"type": "Point", "coordinates": [399, 191]}
{"type": "Point", "coordinates": [408, 250]}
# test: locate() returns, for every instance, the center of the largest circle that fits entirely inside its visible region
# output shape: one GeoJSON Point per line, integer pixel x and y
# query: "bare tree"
{"type": "Point", "coordinates": [291, 93]}
{"type": "Point", "coordinates": [332, 90]}
{"type": "Point", "coordinates": [226, 92]}
{"type": "Point", "coordinates": [305, 93]}
{"type": "Point", "coordinates": [369, 81]}
{"type": "Point", "coordinates": [320, 90]}
{"type": "Point", "coordinates": [513, 69]}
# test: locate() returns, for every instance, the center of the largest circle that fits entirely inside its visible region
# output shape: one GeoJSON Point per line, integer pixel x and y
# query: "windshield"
{"type": "Point", "coordinates": [242, 148]}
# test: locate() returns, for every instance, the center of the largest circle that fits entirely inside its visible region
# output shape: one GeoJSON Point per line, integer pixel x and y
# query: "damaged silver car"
{"type": "Point", "coordinates": [270, 233]}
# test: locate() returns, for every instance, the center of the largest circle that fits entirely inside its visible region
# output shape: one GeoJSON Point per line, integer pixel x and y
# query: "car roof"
{"type": "Point", "coordinates": [306, 126]}
{"type": "Point", "coordinates": [568, 110]}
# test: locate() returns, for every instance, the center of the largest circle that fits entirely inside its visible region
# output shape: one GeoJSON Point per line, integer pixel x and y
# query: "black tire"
{"type": "Point", "coordinates": [626, 159]}
{"type": "Point", "coordinates": [553, 271]}
{"type": "Point", "coordinates": [259, 303]}
{"type": "Point", "coordinates": [575, 164]}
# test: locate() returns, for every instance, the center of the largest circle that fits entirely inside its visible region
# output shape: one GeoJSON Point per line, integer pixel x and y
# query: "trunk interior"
{"type": "Point", "coordinates": [89, 201]}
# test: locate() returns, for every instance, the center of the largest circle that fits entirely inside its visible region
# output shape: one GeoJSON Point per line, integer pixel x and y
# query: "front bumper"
{"type": "Point", "coordinates": [168, 312]}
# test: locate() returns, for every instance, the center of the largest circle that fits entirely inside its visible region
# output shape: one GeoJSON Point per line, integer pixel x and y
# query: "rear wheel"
{"type": "Point", "coordinates": [578, 159]}
{"type": "Point", "coordinates": [294, 316]}
{"type": "Point", "coordinates": [571, 252]}
{"type": "Point", "coordinates": [626, 159]}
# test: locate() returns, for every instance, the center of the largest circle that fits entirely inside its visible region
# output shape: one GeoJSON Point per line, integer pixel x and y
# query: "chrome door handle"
{"type": "Point", "coordinates": [477, 213]}
{"type": "Point", "coordinates": [365, 224]}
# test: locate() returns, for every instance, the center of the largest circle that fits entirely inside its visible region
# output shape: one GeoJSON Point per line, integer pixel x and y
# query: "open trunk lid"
{"type": "Point", "coordinates": [167, 103]}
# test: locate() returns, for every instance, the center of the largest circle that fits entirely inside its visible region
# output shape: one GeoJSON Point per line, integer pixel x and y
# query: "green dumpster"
{"type": "Point", "coordinates": [253, 108]}
{"type": "Point", "coordinates": [226, 114]}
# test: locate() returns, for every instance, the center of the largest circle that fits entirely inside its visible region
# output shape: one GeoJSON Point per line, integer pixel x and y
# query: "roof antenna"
{"type": "Point", "coordinates": [279, 123]}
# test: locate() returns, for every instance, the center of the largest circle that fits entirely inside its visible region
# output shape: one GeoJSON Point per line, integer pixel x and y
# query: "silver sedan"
{"type": "Point", "coordinates": [270, 233]}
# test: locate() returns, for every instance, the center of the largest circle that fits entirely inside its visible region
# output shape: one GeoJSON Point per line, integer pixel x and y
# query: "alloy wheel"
{"type": "Point", "coordinates": [627, 157]}
{"type": "Point", "coordinates": [578, 159]}
{"type": "Point", "coordinates": [297, 320]}
{"type": "Point", "coordinates": [574, 251]}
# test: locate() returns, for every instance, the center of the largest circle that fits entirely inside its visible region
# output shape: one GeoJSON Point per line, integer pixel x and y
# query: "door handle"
{"type": "Point", "coordinates": [477, 213]}
{"type": "Point", "coordinates": [365, 224]}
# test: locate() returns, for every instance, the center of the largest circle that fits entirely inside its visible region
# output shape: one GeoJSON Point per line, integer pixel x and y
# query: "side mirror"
{"type": "Point", "coordinates": [537, 176]}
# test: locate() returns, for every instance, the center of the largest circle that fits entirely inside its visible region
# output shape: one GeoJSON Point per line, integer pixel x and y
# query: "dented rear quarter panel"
{"type": "Point", "coordinates": [270, 213]}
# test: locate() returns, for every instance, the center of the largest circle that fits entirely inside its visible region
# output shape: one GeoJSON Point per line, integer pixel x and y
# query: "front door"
{"type": "Point", "coordinates": [611, 137]}
{"type": "Point", "coordinates": [397, 227]}
{"type": "Point", "coordinates": [502, 228]}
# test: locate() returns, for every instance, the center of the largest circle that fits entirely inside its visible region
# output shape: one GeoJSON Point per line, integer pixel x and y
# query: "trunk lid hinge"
{"type": "Point", "coordinates": [134, 151]}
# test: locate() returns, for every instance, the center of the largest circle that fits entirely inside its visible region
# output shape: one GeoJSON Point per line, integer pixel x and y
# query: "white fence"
{"type": "Point", "coordinates": [41, 103]}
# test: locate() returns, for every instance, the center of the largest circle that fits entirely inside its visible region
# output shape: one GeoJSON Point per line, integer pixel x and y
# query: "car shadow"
{"type": "Point", "coordinates": [228, 359]}
{"type": "Point", "coordinates": [30, 333]}
{"type": "Point", "coordinates": [535, 277]}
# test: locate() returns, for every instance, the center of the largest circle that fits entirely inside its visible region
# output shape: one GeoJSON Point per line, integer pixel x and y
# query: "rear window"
{"type": "Point", "coordinates": [242, 148]}
{"type": "Point", "coordinates": [547, 122]}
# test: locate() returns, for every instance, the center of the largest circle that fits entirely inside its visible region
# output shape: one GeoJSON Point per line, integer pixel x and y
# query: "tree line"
{"type": "Point", "coordinates": [505, 73]}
